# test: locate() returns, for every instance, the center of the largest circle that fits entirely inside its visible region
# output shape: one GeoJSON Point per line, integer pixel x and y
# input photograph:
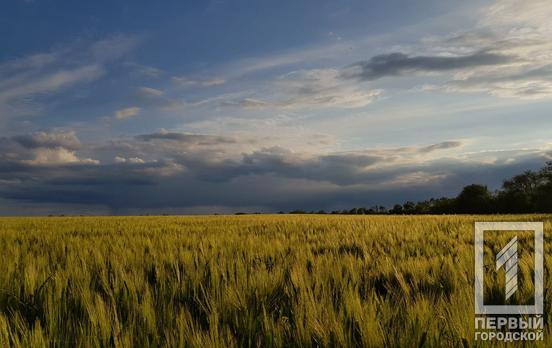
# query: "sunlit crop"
{"type": "Point", "coordinates": [253, 281]}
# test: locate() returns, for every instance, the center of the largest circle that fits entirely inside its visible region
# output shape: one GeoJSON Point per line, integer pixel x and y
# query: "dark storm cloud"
{"type": "Point", "coordinates": [441, 146]}
{"type": "Point", "coordinates": [48, 195]}
{"type": "Point", "coordinates": [184, 174]}
{"type": "Point", "coordinates": [66, 140]}
{"type": "Point", "coordinates": [338, 169]}
{"type": "Point", "coordinates": [268, 192]}
{"type": "Point", "coordinates": [198, 139]}
{"type": "Point", "coordinates": [106, 175]}
{"type": "Point", "coordinates": [395, 64]}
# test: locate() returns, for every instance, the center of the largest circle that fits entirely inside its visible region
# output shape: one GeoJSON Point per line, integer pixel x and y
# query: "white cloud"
{"type": "Point", "coordinates": [32, 61]}
{"type": "Point", "coordinates": [43, 148]}
{"type": "Point", "coordinates": [323, 88]}
{"type": "Point", "coordinates": [306, 89]}
{"type": "Point", "coordinates": [519, 29]}
{"type": "Point", "coordinates": [132, 160]}
{"type": "Point", "coordinates": [152, 97]}
{"type": "Point", "coordinates": [23, 85]}
{"type": "Point", "coordinates": [127, 113]}
{"type": "Point", "coordinates": [57, 156]}
{"type": "Point", "coordinates": [187, 82]}
{"type": "Point", "coordinates": [147, 91]}
{"type": "Point", "coordinates": [30, 83]}
{"type": "Point", "coordinates": [27, 80]}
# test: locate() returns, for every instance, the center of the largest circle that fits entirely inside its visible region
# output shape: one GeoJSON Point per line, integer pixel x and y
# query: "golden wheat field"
{"type": "Point", "coordinates": [242, 281]}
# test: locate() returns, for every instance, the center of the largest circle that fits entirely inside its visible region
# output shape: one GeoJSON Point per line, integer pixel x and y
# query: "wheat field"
{"type": "Point", "coordinates": [242, 281]}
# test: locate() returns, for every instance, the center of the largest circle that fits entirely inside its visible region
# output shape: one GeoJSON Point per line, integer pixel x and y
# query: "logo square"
{"type": "Point", "coordinates": [508, 258]}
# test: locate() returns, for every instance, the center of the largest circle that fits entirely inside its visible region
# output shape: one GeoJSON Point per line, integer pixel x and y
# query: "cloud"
{"type": "Point", "coordinates": [24, 85]}
{"type": "Point", "coordinates": [518, 82]}
{"type": "Point", "coordinates": [57, 156]}
{"type": "Point", "coordinates": [507, 54]}
{"type": "Point", "coordinates": [520, 30]}
{"type": "Point", "coordinates": [441, 146]}
{"type": "Point", "coordinates": [144, 70]}
{"type": "Point", "coordinates": [42, 148]}
{"type": "Point", "coordinates": [183, 138]}
{"type": "Point", "coordinates": [187, 82]}
{"type": "Point", "coordinates": [133, 160]}
{"type": "Point", "coordinates": [296, 57]}
{"type": "Point", "coordinates": [322, 88]}
{"type": "Point", "coordinates": [151, 92]}
{"type": "Point", "coordinates": [32, 61]}
{"type": "Point", "coordinates": [310, 89]}
{"type": "Point", "coordinates": [395, 64]}
{"type": "Point", "coordinates": [341, 168]}
{"type": "Point", "coordinates": [29, 82]}
{"type": "Point", "coordinates": [152, 97]}
{"type": "Point", "coordinates": [178, 170]}
{"type": "Point", "coordinates": [50, 140]}
{"type": "Point", "coordinates": [126, 113]}
{"type": "Point", "coordinates": [250, 104]}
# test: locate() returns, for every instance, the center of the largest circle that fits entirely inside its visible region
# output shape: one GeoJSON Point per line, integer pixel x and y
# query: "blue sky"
{"type": "Point", "coordinates": [127, 107]}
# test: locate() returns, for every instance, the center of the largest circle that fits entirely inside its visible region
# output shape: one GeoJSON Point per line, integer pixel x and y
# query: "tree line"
{"type": "Point", "coordinates": [529, 192]}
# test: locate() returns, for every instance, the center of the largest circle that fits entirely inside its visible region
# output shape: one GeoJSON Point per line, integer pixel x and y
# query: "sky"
{"type": "Point", "coordinates": [190, 107]}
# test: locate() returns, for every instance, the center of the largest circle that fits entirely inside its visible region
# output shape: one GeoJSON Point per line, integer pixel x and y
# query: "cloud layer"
{"type": "Point", "coordinates": [29, 83]}
{"type": "Point", "coordinates": [395, 64]}
{"type": "Point", "coordinates": [179, 172]}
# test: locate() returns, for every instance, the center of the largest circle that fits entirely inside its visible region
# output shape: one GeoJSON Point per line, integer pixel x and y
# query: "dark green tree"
{"type": "Point", "coordinates": [474, 199]}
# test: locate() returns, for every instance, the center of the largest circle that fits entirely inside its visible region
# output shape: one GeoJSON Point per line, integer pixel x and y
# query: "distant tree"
{"type": "Point", "coordinates": [423, 207]}
{"type": "Point", "coordinates": [526, 183]}
{"type": "Point", "coordinates": [474, 199]}
{"type": "Point", "coordinates": [396, 210]}
{"type": "Point", "coordinates": [443, 205]}
{"type": "Point", "coordinates": [519, 194]}
{"type": "Point", "coordinates": [543, 195]}
{"type": "Point", "coordinates": [409, 207]}
{"type": "Point", "coordinates": [529, 192]}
